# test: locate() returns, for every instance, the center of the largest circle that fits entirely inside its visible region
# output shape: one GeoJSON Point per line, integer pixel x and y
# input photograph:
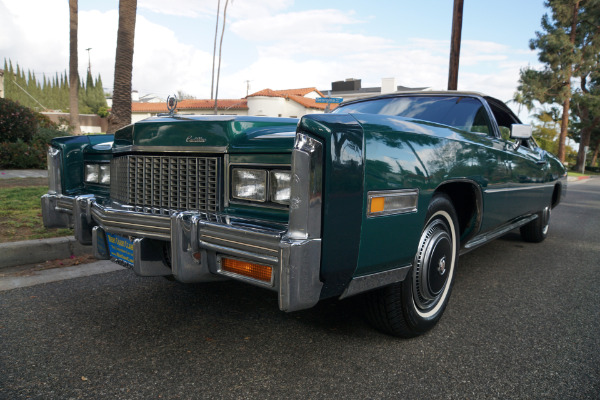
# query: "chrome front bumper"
{"type": "Point", "coordinates": [198, 241]}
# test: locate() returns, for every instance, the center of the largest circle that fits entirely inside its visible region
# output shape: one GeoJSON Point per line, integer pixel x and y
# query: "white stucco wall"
{"type": "Point", "coordinates": [266, 106]}
{"type": "Point", "coordinates": [278, 107]}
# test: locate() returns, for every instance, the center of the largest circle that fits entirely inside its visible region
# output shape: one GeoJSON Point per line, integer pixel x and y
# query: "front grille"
{"type": "Point", "coordinates": [161, 184]}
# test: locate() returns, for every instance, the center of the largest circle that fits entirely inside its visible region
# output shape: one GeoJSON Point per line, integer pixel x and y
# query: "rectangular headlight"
{"type": "Point", "coordinates": [97, 173]}
{"type": "Point", "coordinates": [249, 184]}
{"type": "Point", "coordinates": [92, 173]}
{"type": "Point", "coordinates": [104, 174]}
{"type": "Point", "coordinates": [280, 186]}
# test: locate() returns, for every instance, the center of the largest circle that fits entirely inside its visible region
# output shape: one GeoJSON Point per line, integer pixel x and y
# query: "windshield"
{"type": "Point", "coordinates": [466, 113]}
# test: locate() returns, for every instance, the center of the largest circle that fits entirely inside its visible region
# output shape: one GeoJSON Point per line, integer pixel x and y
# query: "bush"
{"type": "Point", "coordinates": [24, 136]}
{"type": "Point", "coordinates": [21, 155]}
{"type": "Point", "coordinates": [16, 122]}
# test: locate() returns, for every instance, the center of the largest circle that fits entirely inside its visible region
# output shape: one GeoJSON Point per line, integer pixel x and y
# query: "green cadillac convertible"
{"type": "Point", "coordinates": [378, 198]}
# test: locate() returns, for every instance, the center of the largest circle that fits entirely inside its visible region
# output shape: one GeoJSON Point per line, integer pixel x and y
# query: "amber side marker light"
{"type": "Point", "coordinates": [256, 271]}
{"type": "Point", "coordinates": [390, 202]}
{"type": "Point", "coordinates": [377, 204]}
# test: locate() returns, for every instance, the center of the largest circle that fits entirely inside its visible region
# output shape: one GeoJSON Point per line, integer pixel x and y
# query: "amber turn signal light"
{"type": "Point", "coordinates": [260, 272]}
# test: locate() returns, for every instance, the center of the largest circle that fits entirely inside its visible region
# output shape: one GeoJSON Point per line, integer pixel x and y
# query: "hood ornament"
{"type": "Point", "coordinates": [171, 105]}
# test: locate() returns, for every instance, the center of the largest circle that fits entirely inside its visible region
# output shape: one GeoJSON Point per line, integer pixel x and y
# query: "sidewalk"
{"type": "Point", "coordinates": [23, 173]}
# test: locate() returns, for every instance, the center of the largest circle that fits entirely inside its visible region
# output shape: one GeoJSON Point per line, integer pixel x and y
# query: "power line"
{"type": "Point", "coordinates": [27, 93]}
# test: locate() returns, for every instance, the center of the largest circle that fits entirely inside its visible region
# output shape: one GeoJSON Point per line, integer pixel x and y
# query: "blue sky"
{"type": "Point", "coordinates": [282, 44]}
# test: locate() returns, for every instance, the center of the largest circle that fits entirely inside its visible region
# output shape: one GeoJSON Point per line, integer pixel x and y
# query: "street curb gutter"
{"type": "Point", "coordinates": [34, 251]}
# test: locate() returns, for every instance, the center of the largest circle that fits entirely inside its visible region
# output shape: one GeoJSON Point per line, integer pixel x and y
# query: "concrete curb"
{"type": "Point", "coordinates": [40, 250]}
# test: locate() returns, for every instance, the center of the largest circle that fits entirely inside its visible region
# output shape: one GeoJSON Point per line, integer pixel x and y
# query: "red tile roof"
{"type": "Point", "coordinates": [296, 95]}
{"type": "Point", "coordinates": [224, 104]}
{"type": "Point", "coordinates": [286, 93]}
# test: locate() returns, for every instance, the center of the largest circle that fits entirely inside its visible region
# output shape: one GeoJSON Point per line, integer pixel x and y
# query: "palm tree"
{"type": "Point", "coordinates": [121, 108]}
{"type": "Point", "coordinates": [73, 74]}
{"type": "Point", "coordinates": [212, 82]}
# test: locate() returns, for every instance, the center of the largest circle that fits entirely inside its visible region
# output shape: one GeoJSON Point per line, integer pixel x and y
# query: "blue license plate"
{"type": "Point", "coordinates": [121, 248]}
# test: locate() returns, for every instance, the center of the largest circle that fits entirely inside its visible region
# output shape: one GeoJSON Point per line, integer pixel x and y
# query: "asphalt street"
{"type": "Point", "coordinates": [523, 323]}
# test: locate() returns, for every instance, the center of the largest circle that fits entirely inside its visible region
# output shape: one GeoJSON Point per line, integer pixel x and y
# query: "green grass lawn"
{"type": "Point", "coordinates": [21, 215]}
{"type": "Point", "coordinates": [587, 173]}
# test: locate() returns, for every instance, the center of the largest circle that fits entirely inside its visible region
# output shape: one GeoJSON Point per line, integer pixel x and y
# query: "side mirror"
{"type": "Point", "coordinates": [521, 131]}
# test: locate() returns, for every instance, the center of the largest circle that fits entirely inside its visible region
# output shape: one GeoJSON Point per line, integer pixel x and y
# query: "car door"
{"type": "Point", "coordinates": [527, 165]}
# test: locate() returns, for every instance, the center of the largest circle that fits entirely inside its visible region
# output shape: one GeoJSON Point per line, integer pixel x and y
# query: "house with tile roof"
{"type": "Point", "coordinates": [291, 103]}
{"type": "Point", "coordinates": [142, 110]}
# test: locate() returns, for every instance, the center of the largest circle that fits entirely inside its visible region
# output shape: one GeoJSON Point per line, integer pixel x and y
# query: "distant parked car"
{"type": "Point", "coordinates": [379, 197]}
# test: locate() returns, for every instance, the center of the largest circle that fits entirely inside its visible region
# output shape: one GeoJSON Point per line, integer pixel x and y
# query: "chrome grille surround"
{"type": "Point", "coordinates": [165, 184]}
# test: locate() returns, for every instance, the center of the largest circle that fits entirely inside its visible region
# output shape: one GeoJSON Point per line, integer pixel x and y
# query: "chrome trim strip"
{"type": "Point", "coordinates": [54, 160]}
{"type": "Point", "coordinates": [307, 186]}
{"type": "Point", "coordinates": [489, 236]}
{"type": "Point", "coordinates": [239, 243]}
{"type": "Point", "coordinates": [132, 223]}
{"type": "Point", "coordinates": [518, 188]}
{"type": "Point", "coordinates": [170, 149]}
{"type": "Point", "coordinates": [393, 193]}
{"type": "Point", "coordinates": [299, 280]}
{"type": "Point", "coordinates": [246, 255]}
{"type": "Point", "coordinates": [365, 283]}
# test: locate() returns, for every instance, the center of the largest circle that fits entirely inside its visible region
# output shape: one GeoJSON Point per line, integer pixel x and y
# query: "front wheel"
{"type": "Point", "coordinates": [413, 306]}
{"type": "Point", "coordinates": [537, 230]}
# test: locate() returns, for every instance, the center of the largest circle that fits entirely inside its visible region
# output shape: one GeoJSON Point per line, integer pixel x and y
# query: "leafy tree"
{"type": "Point", "coordinates": [121, 108]}
{"type": "Point", "coordinates": [547, 131]}
{"type": "Point", "coordinates": [567, 46]}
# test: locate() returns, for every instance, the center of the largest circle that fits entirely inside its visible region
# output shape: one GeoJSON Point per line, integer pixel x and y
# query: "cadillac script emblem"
{"type": "Point", "coordinates": [195, 139]}
{"type": "Point", "coordinates": [171, 104]}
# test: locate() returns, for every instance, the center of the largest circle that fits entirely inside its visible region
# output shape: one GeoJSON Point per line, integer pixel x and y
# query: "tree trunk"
{"type": "Point", "coordinates": [595, 156]}
{"type": "Point", "coordinates": [584, 141]}
{"type": "Point", "coordinates": [564, 125]}
{"type": "Point", "coordinates": [73, 73]}
{"type": "Point", "coordinates": [212, 82]}
{"type": "Point", "coordinates": [220, 47]}
{"type": "Point", "coordinates": [120, 115]}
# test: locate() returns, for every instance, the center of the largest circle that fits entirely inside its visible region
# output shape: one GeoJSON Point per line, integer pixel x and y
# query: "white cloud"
{"type": "Point", "coordinates": [273, 43]}
{"type": "Point", "coordinates": [24, 43]}
{"type": "Point", "coordinates": [180, 8]}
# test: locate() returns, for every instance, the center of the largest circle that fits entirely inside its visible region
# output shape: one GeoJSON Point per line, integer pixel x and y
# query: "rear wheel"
{"type": "Point", "coordinates": [413, 306]}
{"type": "Point", "coordinates": [537, 230]}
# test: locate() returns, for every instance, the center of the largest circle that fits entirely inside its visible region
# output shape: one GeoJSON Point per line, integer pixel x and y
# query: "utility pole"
{"type": "Point", "coordinates": [457, 16]}
{"type": "Point", "coordinates": [89, 61]}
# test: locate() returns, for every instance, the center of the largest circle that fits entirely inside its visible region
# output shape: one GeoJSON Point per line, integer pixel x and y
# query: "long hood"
{"type": "Point", "coordinates": [218, 134]}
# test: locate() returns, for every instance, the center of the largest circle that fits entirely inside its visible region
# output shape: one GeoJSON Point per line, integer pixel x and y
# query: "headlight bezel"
{"type": "Point", "coordinates": [270, 172]}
